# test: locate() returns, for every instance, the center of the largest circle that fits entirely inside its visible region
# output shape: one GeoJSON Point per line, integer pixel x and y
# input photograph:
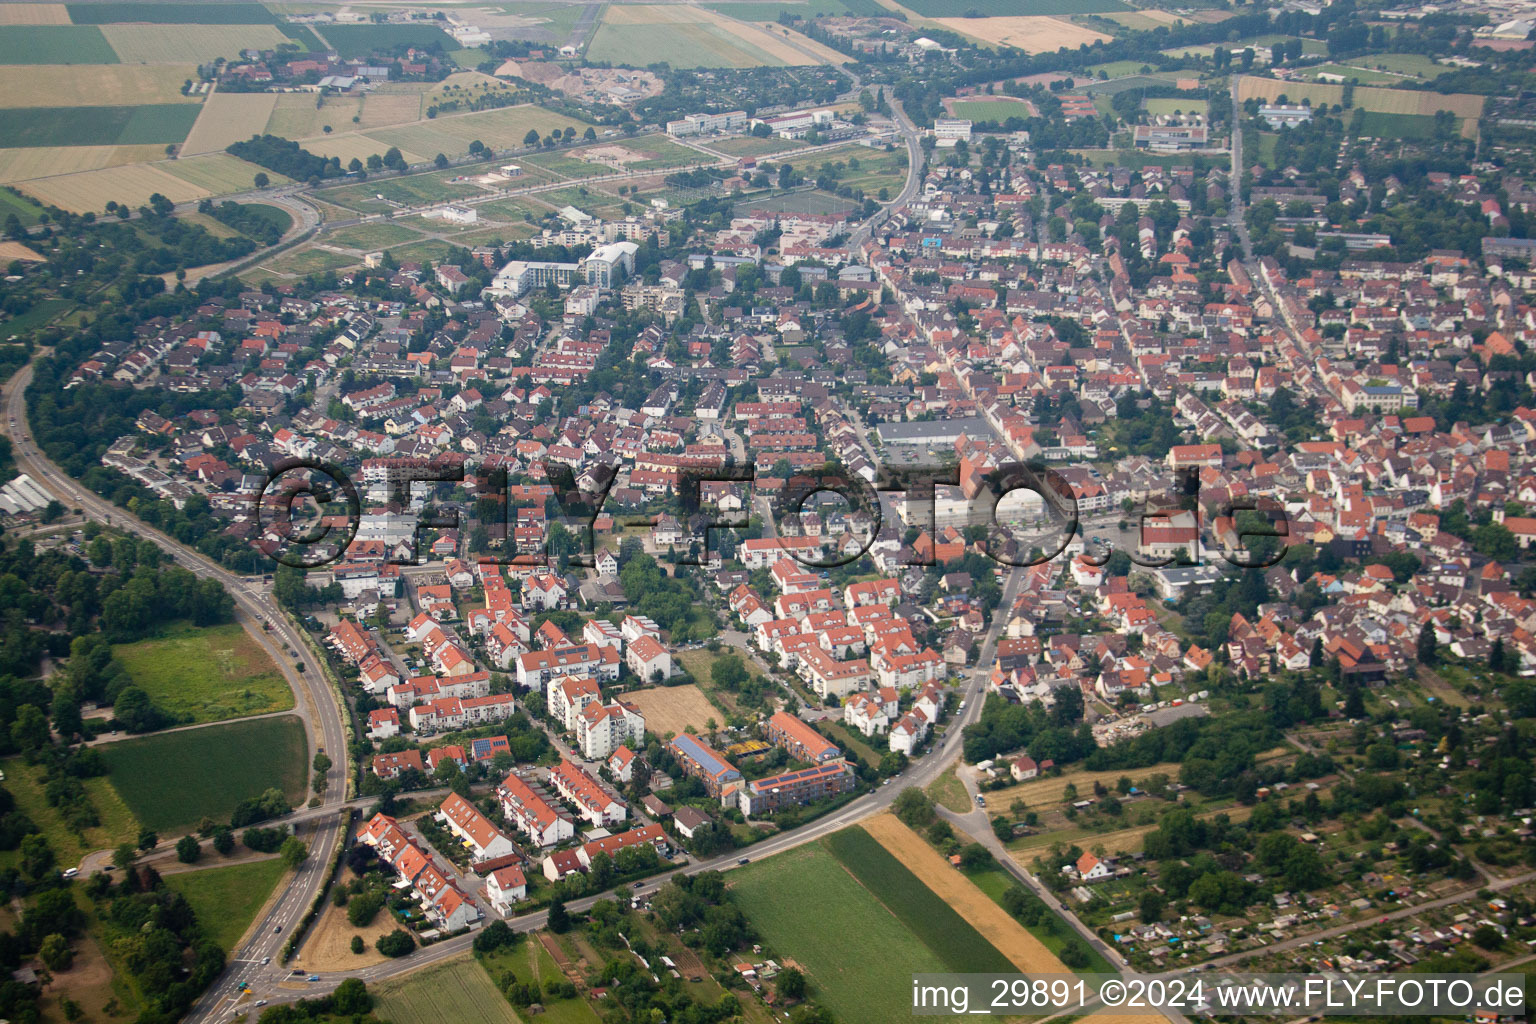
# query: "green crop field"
{"type": "Point", "coordinates": [211, 674]}
{"type": "Point", "coordinates": [55, 44]}
{"type": "Point", "coordinates": [858, 955]}
{"type": "Point", "coordinates": [171, 14]}
{"type": "Point", "coordinates": [172, 780]}
{"type": "Point", "coordinates": [26, 210]}
{"type": "Point", "coordinates": [1011, 8]}
{"type": "Point", "coordinates": [918, 907]}
{"type": "Point", "coordinates": [455, 990]}
{"type": "Point", "coordinates": [149, 124]}
{"type": "Point", "coordinates": [227, 899]}
{"type": "Point", "coordinates": [361, 40]}
{"type": "Point", "coordinates": [1397, 126]}
{"type": "Point", "coordinates": [680, 44]}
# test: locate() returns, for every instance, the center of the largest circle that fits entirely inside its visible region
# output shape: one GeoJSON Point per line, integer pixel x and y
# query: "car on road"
{"type": "Point", "coordinates": [261, 1002]}
{"type": "Point", "coordinates": [981, 801]}
{"type": "Point", "coordinates": [265, 960]}
{"type": "Point", "coordinates": [277, 930]}
{"type": "Point", "coordinates": [314, 977]}
{"type": "Point", "coordinates": [744, 860]}
{"type": "Point", "coordinates": [71, 872]}
{"type": "Point", "coordinates": [639, 885]}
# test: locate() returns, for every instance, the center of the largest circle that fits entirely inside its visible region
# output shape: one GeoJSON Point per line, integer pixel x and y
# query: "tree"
{"type": "Point", "coordinates": [914, 807]}
{"type": "Point", "coordinates": [1151, 907]}
{"type": "Point", "coordinates": [396, 944]}
{"type": "Point", "coordinates": [1496, 657]}
{"type": "Point", "coordinates": [224, 842]}
{"type": "Point", "coordinates": [188, 849]}
{"type": "Point", "coordinates": [1427, 648]}
{"type": "Point", "coordinates": [559, 919]}
{"type": "Point", "coordinates": [974, 857]}
{"type": "Point", "coordinates": [440, 160]}
{"type": "Point", "coordinates": [532, 138]}
{"type": "Point", "coordinates": [728, 672]}
{"type": "Point", "coordinates": [261, 180]}
{"type": "Point", "coordinates": [351, 998]}
{"type": "Point", "coordinates": [148, 839]}
{"type": "Point", "coordinates": [358, 945]}
{"type": "Point", "coordinates": [790, 984]}
{"type": "Point", "coordinates": [30, 729]}
{"type": "Point", "coordinates": [124, 856]}
{"type": "Point", "coordinates": [293, 852]}
{"type": "Point", "coordinates": [55, 953]}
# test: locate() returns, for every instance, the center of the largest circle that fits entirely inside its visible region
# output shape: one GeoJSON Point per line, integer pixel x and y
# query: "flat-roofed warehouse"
{"type": "Point", "coordinates": [934, 432]}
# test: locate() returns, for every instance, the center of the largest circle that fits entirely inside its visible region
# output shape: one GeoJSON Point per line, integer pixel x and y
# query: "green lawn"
{"type": "Point", "coordinates": [210, 674]}
{"type": "Point", "coordinates": [35, 317]}
{"type": "Point", "coordinates": [117, 823]}
{"type": "Point", "coordinates": [26, 210]}
{"type": "Point", "coordinates": [55, 44]}
{"type": "Point", "coordinates": [990, 110]}
{"type": "Point", "coordinates": [1397, 126]}
{"type": "Point", "coordinates": [227, 899]}
{"type": "Point", "coordinates": [858, 957]}
{"type": "Point", "coordinates": [454, 990]}
{"type": "Point", "coordinates": [921, 909]}
{"type": "Point", "coordinates": [1168, 106]}
{"type": "Point", "coordinates": [368, 237]}
{"type": "Point", "coordinates": [852, 742]}
{"type": "Point", "coordinates": [949, 791]}
{"type": "Point", "coordinates": [749, 145]}
{"type": "Point", "coordinates": [172, 780]}
{"type": "Point", "coordinates": [995, 8]}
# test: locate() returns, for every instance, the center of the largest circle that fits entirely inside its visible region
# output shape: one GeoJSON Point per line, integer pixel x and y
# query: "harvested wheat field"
{"type": "Point", "coordinates": [229, 117]}
{"type": "Point", "coordinates": [329, 946]}
{"type": "Point", "coordinates": [16, 251]}
{"type": "Point", "coordinates": [171, 44]}
{"type": "Point", "coordinates": [46, 161]}
{"type": "Point", "coordinates": [34, 14]}
{"type": "Point", "coordinates": [90, 191]}
{"type": "Point", "coordinates": [1031, 33]}
{"type": "Point", "coordinates": [672, 709]}
{"type": "Point", "coordinates": [93, 85]}
{"type": "Point", "coordinates": [993, 922]}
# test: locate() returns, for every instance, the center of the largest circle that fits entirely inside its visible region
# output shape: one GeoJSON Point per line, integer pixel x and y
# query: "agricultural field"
{"type": "Point", "coordinates": [1032, 34]}
{"type": "Point", "coordinates": [229, 117]}
{"type": "Point", "coordinates": [212, 674]}
{"type": "Point", "coordinates": [991, 110]}
{"type": "Point", "coordinates": [938, 923]}
{"type": "Point", "coordinates": [1168, 107]}
{"type": "Point", "coordinates": [691, 37]}
{"type": "Point", "coordinates": [371, 237]}
{"type": "Point", "coordinates": [227, 899]}
{"type": "Point", "coordinates": [908, 850]}
{"type": "Point", "coordinates": [172, 780]}
{"type": "Point", "coordinates": [57, 44]}
{"type": "Point", "coordinates": [131, 184]}
{"type": "Point", "coordinates": [170, 13]}
{"type": "Point", "coordinates": [1397, 126]}
{"type": "Point", "coordinates": [455, 989]}
{"type": "Point", "coordinates": [219, 173]}
{"type": "Point", "coordinates": [43, 161]}
{"type": "Point", "coordinates": [295, 115]}
{"type": "Point", "coordinates": [26, 784]}
{"type": "Point", "coordinates": [758, 10]}
{"type": "Point", "coordinates": [858, 957]}
{"type": "Point", "coordinates": [34, 14]}
{"type": "Point", "coordinates": [67, 85]}
{"type": "Point", "coordinates": [946, 9]}
{"type": "Point", "coordinates": [1144, 20]}
{"type": "Point", "coordinates": [170, 44]}
{"type": "Point", "coordinates": [502, 129]}
{"type": "Point", "coordinates": [361, 40]}
{"type": "Point", "coordinates": [1120, 68]}
{"type": "Point", "coordinates": [155, 123]}
{"type": "Point", "coordinates": [1465, 106]}
{"type": "Point", "coordinates": [1403, 65]}
{"type": "Point", "coordinates": [670, 710]}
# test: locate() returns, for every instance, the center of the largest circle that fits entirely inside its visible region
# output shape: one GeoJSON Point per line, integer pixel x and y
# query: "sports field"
{"type": "Point", "coordinates": [942, 9]}
{"type": "Point", "coordinates": [454, 990]}
{"type": "Point", "coordinates": [1166, 107]}
{"type": "Point", "coordinates": [229, 117]}
{"type": "Point", "coordinates": [70, 85]}
{"type": "Point", "coordinates": [172, 780]}
{"type": "Point", "coordinates": [858, 956]}
{"type": "Point", "coordinates": [57, 44]}
{"type": "Point", "coordinates": [171, 44]}
{"type": "Point", "coordinates": [1032, 33]}
{"type": "Point", "coordinates": [991, 110]}
{"type": "Point", "coordinates": [361, 40]}
{"type": "Point", "coordinates": [212, 674]}
{"type": "Point", "coordinates": [145, 124]}
{"type": "Point", "coordinates": [689, 37]}
{"type": "Point", "coordinates": [226, 899]}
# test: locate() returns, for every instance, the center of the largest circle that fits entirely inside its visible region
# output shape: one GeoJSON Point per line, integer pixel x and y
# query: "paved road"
{"type": "Point", "coordinates": [254, 606]}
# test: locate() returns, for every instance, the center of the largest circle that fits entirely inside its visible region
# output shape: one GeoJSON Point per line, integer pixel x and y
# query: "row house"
{"type": "Point", "coordinates": [527, 810]}
{"type": "Point", "coordinates": [450, 713]}
{"type": "Point", "coordinates": [583, 792]}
